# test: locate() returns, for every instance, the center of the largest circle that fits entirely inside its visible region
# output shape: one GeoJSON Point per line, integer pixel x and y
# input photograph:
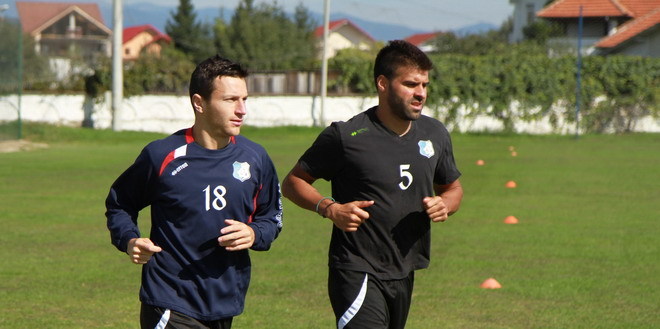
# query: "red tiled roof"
{"type": "Point", "coordinates": [419, 39]}
{"type": "Point", "coordinates": [130, 33]}
{"type": "Point", "coordinates": [645, 14]}
{"type": "Point", "coordinates": [631, 29]}
{"type": "Point", "coordinates": [334, 25]}
{"type": "Point", "coordinates": [598, 8]}
{"type": "Point", "coordinates": [590, 8]}
{"type": "Point", "coordinates": [34, 15]}
{"type": "Point", "coordinates": [641, 7]}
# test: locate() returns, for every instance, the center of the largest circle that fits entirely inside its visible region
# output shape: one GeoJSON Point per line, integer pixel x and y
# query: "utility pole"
{"type": "Point", "coordinates": [117, 62]}
{"type": "Point", "coordinates": [578, 91]}
{"type": "Point", "coordinates": [324, 65]}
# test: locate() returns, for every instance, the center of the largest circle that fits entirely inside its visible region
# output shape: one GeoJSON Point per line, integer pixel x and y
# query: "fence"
{"type": "Point", "coordinates": [167, 114]}
{"type": "Point", "coordinates": [11, 77]}
{"type": "Point", "coordinates": [292, 82]}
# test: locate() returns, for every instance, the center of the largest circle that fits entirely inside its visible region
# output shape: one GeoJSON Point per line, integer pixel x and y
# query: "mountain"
{"type": "Point", "coordinates": [475, 29]}
{"type": "Point", "coordinates": [156, 15]}
{"type": "Point", "coordinates": [378, 31]}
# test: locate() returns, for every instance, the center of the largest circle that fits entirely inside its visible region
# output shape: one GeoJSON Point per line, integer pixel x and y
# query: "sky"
{"type": "Point", "coordinates": [427, 15]}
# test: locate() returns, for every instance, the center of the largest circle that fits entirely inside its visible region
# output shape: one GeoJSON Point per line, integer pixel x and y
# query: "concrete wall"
{"type": "Point", "coordinates": [167, 114]}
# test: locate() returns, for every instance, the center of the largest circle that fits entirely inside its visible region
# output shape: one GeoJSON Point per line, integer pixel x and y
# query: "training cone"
{"type": "Point", "coordinates": [480, 162]}
{"type": "Point", "coordinates": [514, 153]}
{"type": "Point", "coordinates": [511, 184]}
{"type": "Point", "coordinates": [510, 220]}
{"type": "Point", "coordinates": [491, 284]}
{"type": "Point", "coordinates": [511, 148]}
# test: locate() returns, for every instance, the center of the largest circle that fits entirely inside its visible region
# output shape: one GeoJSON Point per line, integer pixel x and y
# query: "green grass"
{"type": "Point", "coordinates": [584, 254]}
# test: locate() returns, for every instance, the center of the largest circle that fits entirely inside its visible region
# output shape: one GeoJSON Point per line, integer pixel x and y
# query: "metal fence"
{"type": "Point", "coordinates": [290, 82]}
{"type": "Point", "coordinates": [11, 78]}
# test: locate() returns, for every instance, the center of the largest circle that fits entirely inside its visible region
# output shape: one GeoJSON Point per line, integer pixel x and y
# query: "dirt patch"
{"type": "Point", "coordinates": [20, 145]}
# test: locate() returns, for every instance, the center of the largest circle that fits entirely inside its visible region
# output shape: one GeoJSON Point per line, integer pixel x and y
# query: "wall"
{"type": "Point", "coordinates": [132, 48]}
{"type": "Point", "coordinates": [167, 114]}
{"type": "Point", "coordinates": [644, 44]}
{"type": "Point", "coordinates": [521, 16]}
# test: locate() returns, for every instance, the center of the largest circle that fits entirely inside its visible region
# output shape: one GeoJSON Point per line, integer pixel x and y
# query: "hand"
{"type": "Point", "coordinates": [436, 209]}
{"type": "Point", "coordinates": [348, 216]}
{"type": "Point", "coordinates": [236, 236]}
{"type": "Point", "coordinates": [140, 250]}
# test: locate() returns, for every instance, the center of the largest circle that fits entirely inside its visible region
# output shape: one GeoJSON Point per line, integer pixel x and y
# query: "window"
{"type": "Point", "coordinates": [531, 13]}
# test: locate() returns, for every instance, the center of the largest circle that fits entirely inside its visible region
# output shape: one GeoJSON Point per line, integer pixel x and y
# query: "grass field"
{"type": "Point", "coordinates": [584, 255]}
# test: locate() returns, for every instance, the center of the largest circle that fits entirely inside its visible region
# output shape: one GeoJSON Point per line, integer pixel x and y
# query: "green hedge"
{"type": "Point", "coordinates": [616, 90]}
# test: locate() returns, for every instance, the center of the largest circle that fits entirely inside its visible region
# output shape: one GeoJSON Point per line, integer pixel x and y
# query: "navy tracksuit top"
{"type": "Point", "coordinates": [191, 191]}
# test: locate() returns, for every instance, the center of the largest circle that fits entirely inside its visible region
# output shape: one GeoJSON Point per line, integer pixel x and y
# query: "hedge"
{"type": "Point", "coordinates": [616, 91]}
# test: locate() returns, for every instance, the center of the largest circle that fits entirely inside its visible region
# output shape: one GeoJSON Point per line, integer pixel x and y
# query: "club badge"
{"type": "Point", "coordinates": [426, 148]}
{"type": "Point", "coordinates": [241, 171]}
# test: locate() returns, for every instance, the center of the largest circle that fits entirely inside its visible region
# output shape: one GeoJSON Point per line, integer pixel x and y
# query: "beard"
{"type": "Point", "coordinates": [402, 108]}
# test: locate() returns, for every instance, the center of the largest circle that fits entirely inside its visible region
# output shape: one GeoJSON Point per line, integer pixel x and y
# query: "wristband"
{"type": "Point", "coordinates": [325, 210]}
{"type": "Point", "coordinates": [319, 203]}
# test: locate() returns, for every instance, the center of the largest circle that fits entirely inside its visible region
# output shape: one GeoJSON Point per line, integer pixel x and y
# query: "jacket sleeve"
{"type": "Point", "coordinates": [267, 219]}
{"type": "Point", "coordinates": [129, 194]}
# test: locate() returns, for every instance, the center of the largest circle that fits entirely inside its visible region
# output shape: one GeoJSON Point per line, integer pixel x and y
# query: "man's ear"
{"type": "Point", "coordinates": [198, 103]}
{"type": "Point", "coordinates": [381, 83]}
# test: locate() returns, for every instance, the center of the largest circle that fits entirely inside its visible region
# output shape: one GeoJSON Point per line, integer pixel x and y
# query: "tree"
{"type": "Point", "coordinates": [356, 67]}
{"type": "Point", "coordinates": [305, 26]}
{"type": "Point", "coordinates": [189, 36]}
{"type": "Point", "coordinates": [264, 38]}
{"type": "Point", "coordinates": [36, 72]}
{"type": "Point", "coordinates": [542, 30]}
{"type": "Point", "coordinates": [491, 42]}
{"type": "Point", "coordinates": [167, 72]}
{"type": "Point", "coordinates": [494, 42]}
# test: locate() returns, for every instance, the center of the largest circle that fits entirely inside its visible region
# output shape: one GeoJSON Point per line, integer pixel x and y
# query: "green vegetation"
{"type": "Point", "coordinates": [189, 36]}
{"type": "Point", "coordinates": [584, 254]}
{"type": "Point", "coordinates": [482, 74]}
{"type": "Point", "coordinates": [14, 45]}
{"type": "Point", "coordinates": [616, 91]}
{"type": "Point", "coordinates": [260, 37]}
{"type": "Point", "coordinates": [264, 37]}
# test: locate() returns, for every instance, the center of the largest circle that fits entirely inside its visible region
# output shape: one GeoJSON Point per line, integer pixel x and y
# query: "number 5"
{"type": "Point", "coordinates": [405, 174]}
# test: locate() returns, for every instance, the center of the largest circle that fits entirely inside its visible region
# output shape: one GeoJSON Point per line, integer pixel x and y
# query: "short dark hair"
{"type": "Point", "coordinates": [398, 53]}
{"type": "Point", "coordinates": [201, 80]}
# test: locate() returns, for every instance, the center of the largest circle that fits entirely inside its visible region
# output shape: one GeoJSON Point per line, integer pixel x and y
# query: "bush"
{"type": "Point", "coordinates": [616, 91]}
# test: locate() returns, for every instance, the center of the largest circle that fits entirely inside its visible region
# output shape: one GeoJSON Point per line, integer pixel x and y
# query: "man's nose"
{"type": "Point", "coordinates": [241, 107]}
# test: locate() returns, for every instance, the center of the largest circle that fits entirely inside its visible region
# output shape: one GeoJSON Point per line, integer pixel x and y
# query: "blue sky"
{"type": "Point", "coordinates": [428, 15]}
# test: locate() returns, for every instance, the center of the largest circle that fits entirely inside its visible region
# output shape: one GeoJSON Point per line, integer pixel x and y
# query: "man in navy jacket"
{"type": "Point", "coordinates": [213, 194]}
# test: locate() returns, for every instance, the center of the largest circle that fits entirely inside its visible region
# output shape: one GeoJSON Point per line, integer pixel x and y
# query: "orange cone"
{"type": "Point", "coordinates": [511, 184]}
{"type": "Point", "coordinates": [514, 153]}
{"type": "Point", "coordinates": [510, 220]}
{"type": "Point", "coordinates": [480, 162]}
{"type": "Point", "coordinates": [491, 283]}
{"type": "Point", "coordinates": [511, 148]}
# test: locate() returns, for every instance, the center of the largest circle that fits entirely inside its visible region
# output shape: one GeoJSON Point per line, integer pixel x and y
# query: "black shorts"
{"type": "Point", "coordinates": [360, 300]}
{"type": "Point", "coordinates": [152, 317]}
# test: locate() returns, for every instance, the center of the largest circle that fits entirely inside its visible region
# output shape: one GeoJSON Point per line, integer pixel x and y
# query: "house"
{"type": "Point", "coordinates": [66, 29]}
{"type": "Point", "coordinates": [640, 36]}
{"type": "Point", "coordinates": [424, 41]}
{"type": "Point", "coordinates": [630, 27]}
{"type": "Point", "coordinates": [147, 38]}
{"type": "Point", "coordinates": [524, 13]}
{"type": "Point", "coordinates": [344, 34]}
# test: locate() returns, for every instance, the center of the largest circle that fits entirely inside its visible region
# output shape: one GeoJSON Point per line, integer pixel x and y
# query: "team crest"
{"type": "Point", "coordinates": [426, 148]}
{"type": "Point", "coordinates": [241, 171]}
